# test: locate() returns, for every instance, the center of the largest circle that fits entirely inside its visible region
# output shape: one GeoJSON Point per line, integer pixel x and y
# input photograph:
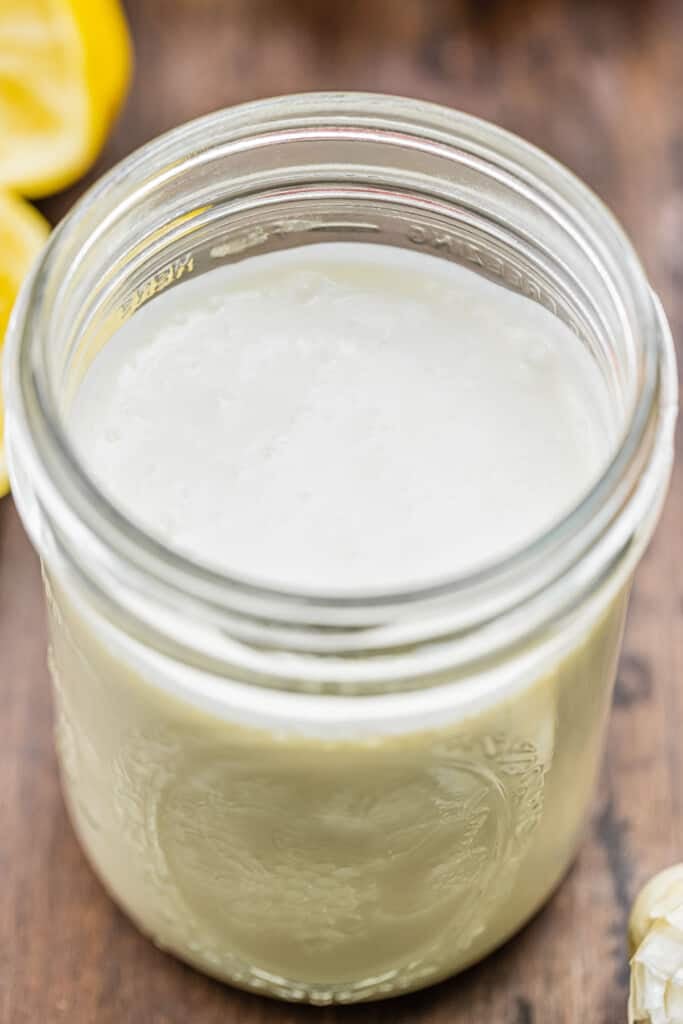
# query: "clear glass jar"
{"type": "Point", "coordinates": [321, 797]}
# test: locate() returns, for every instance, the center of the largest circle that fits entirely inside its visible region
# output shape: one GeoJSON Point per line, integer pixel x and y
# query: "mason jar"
{"type": "Point", "coordinates": [333, 797]}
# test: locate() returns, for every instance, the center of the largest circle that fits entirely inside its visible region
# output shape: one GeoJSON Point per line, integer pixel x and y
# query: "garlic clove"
{"type": "Point", "coordinates": [656, 936]}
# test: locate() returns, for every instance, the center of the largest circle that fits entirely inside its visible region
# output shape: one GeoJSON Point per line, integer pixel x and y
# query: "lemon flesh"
{"type": "Point", "coordinates": [22, 234]}
{"type": "Point", "coordinates": [64, 70]}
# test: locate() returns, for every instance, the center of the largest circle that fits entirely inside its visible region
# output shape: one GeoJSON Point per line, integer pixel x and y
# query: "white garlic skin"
{"type": "Point", "coordinates": [656, 942]}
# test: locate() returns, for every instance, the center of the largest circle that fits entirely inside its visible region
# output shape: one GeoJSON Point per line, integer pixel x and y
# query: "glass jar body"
{"type": "Point", "coordinates": [319, 864]}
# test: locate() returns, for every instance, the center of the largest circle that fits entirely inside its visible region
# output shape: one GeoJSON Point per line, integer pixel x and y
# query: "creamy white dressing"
{"type": "Point", "coordinates": [343, 416]}
{"type": "Point", "coordinates": [338, 417]}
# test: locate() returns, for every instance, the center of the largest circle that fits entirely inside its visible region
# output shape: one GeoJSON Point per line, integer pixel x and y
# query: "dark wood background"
{"type": "Point", "coordinates": [598, 84]}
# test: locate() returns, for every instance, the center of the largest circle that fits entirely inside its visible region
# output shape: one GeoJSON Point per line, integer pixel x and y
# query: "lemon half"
{"type": "Point", "coordinates": [64, 70]}
{"type": "Point", "coordinates": [22, 235]}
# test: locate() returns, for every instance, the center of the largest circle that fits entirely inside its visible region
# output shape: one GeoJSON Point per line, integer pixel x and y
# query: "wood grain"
{"type": "Point", "coordinates": [599, 86]}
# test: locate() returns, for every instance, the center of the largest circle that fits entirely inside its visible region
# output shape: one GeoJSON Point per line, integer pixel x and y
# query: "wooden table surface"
{"type": "Point", "coordinates": [598, 84]}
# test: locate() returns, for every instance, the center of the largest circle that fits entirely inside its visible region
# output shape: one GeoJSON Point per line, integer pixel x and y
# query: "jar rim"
{"type": "Point", "coordinates": [626, 490]}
